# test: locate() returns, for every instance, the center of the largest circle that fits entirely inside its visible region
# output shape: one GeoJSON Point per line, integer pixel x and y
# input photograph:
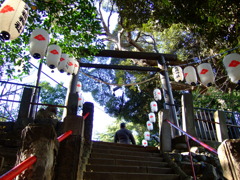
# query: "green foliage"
{"type": "Point", "coordinates": [53, 95]}
{"type": "Point", "coordinates": [72, 25]}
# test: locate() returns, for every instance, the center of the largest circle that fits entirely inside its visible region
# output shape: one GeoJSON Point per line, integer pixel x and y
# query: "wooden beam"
{"type": "Point", "coordinates": [133, 68]}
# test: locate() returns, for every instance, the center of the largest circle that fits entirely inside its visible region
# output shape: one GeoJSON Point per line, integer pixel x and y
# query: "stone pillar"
{"type": "Point", "coordinates": [68, 160]}
{"type": "Point", "coordinates": [188, 121]}
{"type": "Point", "coordinates": [41, 141]}
{"type": "Point", "coordinates": [221, 126]}
{"type": "Point", "coordinates": [24, 110]}
{"type": "Point", "coordinates": [229, 156]}
{"type": "Point", "coordinates": [165, 130]}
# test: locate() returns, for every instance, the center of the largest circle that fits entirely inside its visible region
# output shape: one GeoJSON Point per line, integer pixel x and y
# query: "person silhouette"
{"type": "Point", "coordinates": [123, 135]}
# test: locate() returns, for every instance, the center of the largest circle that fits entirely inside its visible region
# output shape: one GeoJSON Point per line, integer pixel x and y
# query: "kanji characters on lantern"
{"type": "Point", "coordinates": [232, 66]}
{"type": "Point", "coordinates": [147, 135]}
{"type": "Point", "coordinates": [190, 75]}
{"type": "Point", "coordinates": [79, 87]}
{"type": "Point", "coordinates": [157, 94]}
{"type": "Point", "coordinates": [153, 106]}
{"type": "Point", "coordinates": [70, 65]}
{"type": "Point", "coordinates": [76, 67]}
{"type": "Point", "coordinates": [13, 17]}
{"type": "Point", "coordinates": [80, 100]}
{"type": "Point", "coordinates": [177, 73]}
{"type": "Point", "coordinates": [205, 74]}
{"type": "Point", "coordinates": [39, 40]}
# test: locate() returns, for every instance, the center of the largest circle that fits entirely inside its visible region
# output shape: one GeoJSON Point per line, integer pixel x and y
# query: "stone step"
{"type": "Point", "coordinates": [129, 157]}
{"type": "Point", "coordinates": [102, 161]}
{"type": "Point", "coordinates": [130, 176]}
{"type": "Point", "coordinates": [118, 146]}
{"type": "Point", "coordinates": [125, 152]}
{"type": "Point", "coordinates": [128, 169]}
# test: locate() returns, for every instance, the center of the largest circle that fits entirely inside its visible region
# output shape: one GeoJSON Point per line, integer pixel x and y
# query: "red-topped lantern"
{"type": "Point", "coordinates": [147, 135]}
{"type": "Point", "coordinates": [177, 73]}
{"type": "Point", "coordinates": [232, 65]}
{"type": "Point", "coordinates": [190, 75]}
{"type": "Point", "coordinates": [149, 125]}
{"type": "Point", "coordinates": [205, 74]}
{"type": "Point", "coordinates": [13, 17]}
{"type": "Point", "coordinates": [38, 43]}
{"type": "Point", "coordinates": [76, 67]}
{"type": "Point", "coordinates": [152, 117]}
{"type": "Point", "coordinates": [79, 87]}
{"type": "Point", "coordinates": [153, 106]}
{"type": "Point", "coordinates": [63, 63]}
{"type": "Point", "coordinates": [144, 143]}
{"type": "Point", "coordinates": [157, 94]}
{"type": "Point", "coordinates": [80, 100]}
{"type": "Point", "coordinates": [53, 56]}
{"type": "Point", "coordinates": [70, 65]}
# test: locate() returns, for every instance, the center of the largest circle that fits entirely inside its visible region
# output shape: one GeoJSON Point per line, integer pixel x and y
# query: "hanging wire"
{"type": "Point", "coordinates": [210, 57]}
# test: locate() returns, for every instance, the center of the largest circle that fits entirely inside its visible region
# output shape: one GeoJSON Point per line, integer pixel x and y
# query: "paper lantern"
{"type": "Point", "coordinates": [205, 74]}
{"type": "Point", "coordinates": [70, 65]}
{"type": "Point", "coordinates": [177, 73]}
{"type": "Point", "coordinates": [144, 143]}
{"type": "Point", "coordinates": [147, 136]}
{"type": "Point", "coordinates": [79, 87]}
{"type": "Point", "coordinates": [53, 56]}
{"type": "Point", "coordinates": [39, 40]}
{"type": "Point", "coordinates": [151, 117]}
{"type": "Point", "coordinates": [190, 75]}
{"type": "Point", "coordinates": [153, 106]}
{"type": "Point", "coordinates": [232, 65]}
{"type": "Point", "coordinates": [63, 63]}
{"type": "Point", "coordinates": [157, 94]}
{"type": "Point", "coordinates": [13, 17]}
{"type": "Point", "coordinates": [80, 100]}
{"type": "Point", "coordinates": [149, 125]}
{"type": "Point", "coordinates": [76, 67]}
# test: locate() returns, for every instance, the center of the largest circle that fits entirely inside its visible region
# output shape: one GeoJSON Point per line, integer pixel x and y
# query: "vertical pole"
{"type": "Point", "coordinates": [167, 92]}
{"type": "Point", "coordinates": [36, 93]}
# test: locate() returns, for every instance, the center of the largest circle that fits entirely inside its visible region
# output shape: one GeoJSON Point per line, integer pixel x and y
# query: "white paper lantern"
{"type": "Point", "coordinates": [205, 74]}
{"type": "Point", "coordinates": [149, 125]}
{"type": "Point", "coordinates": [144, 143]}
{"type": "Point", "coordinates": [63, 63]}
{"type": "Point", "coordinates": [152, 117]}
{"type": "Point", "coordinates": [147, 136]}
{"type": "Point", "coordinates": [38, 43]}
{"type": "Point", "coordinates": [80, 100]}
{"type": "Point", "coordinates": [70, 65]}
{"type": "Point", "coordinates": [232, 65]}
{"type": "Point", "coordinates": [76, 67]}
{"type": "Point", "coordinates": [190, 75]}
{"type": "Point", "coordinates": [53, 56]}
{"type": "Point", "coordinates": [79, 87]}
{"type": "Point", "coordinates": [13, 17]}
{"type": "Point", "coordinates": [177, 73]}
{"type": "Point", "coordinates": [157, 94]}
{"type": "Point", "coordinates": [153, 106]}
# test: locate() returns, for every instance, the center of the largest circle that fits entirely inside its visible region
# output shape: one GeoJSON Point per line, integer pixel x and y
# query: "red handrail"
{"type": "Point", "coordinates": [28, 162]}
{"type": "Point", "coordinates": [19, 168]}
{"type": "Point", "coordinates": [193, 138]}
{"type": "Point", "coordinates": [64, 136]}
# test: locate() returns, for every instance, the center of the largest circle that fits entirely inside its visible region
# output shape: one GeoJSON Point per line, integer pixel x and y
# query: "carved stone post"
{"type": "Point", "coordinates": [40, 141]}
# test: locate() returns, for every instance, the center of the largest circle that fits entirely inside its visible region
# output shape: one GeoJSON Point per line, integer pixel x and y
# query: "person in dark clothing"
{"type": "Point", "coordinates": [123, 135]}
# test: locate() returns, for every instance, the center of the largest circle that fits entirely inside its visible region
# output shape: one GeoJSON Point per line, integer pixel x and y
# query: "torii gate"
{"type": "Point", "coordinates": [161, 61]}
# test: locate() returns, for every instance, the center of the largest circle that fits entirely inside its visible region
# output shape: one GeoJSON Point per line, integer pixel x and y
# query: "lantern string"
{"type": "Point", "coordinates": [48, 76]}
{"type": "Point", "coordinates": [210, 57]}
{"type": "Point", "coordinates": [131, 84]}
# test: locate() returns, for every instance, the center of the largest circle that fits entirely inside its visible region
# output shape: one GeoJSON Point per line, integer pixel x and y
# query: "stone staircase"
{"type": "Point", "coordinates": [110, 161]}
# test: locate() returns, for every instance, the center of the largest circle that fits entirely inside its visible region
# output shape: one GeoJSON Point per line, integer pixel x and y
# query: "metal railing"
{"type": "Point", "coordinates": [10, 98]}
